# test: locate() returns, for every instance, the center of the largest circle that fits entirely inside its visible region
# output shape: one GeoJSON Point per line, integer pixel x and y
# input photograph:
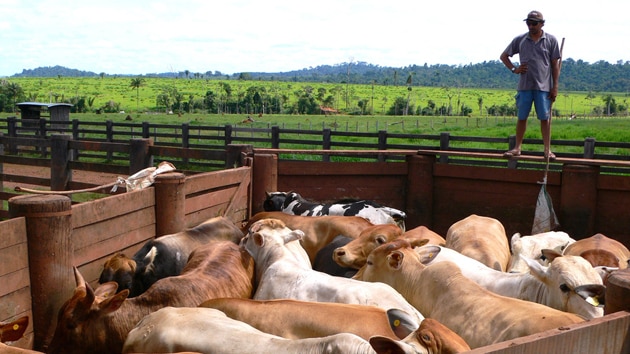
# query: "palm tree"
{"type": "Point", "coordinates": [136, 83]}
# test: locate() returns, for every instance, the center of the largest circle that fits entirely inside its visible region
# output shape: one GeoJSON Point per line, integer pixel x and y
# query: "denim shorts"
{"type": "Point", "coordinates": [540, 99]}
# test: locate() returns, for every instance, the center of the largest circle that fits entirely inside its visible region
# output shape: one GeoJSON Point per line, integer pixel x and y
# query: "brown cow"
{"type": "Point", "coordinates": [165, 256]}
{"type": "Point", "coordinates": [481, 238]}
{"type": "Point", "coordinates": [600, 250]}
{"type": "Point", "coordinates": [295, 319]}
{"type": "Point", "coordinates": [356, 251]}
{"type": "Point", "coordinates": [318, 230]}
{"type": "Point", "coordinates": [12, 331]}
{"type": "Point", "coordinates": [95, 321]}
{"type": "Point", "coordinates": [431, 334]}
{"type": "Point", "coordinates": [440, 291]}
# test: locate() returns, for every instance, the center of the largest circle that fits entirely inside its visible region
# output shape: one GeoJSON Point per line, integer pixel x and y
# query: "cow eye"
{"type": "Point", "coordinates": [564, 288]}
{"type": "Point", "coordinates": [369, 262]}
{"type": "Point", "coordinates": [381, 240]}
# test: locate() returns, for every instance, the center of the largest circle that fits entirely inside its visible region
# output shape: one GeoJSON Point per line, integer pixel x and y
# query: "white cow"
{"type": "Point", "coordinates": [283, 271]}
{"type": "Point", "coordinates": [568, 284]}
{"type": "Point", "coordinates": [531, 247]}
{"type": "Point", "coordinates": [206, 330]}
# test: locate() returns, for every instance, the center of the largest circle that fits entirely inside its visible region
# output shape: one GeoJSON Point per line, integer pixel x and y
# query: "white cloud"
{"type": "Point", "coordinates": [136, 37]}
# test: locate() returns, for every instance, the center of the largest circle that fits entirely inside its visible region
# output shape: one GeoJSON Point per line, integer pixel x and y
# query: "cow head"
{"type": "Point", "coordinates": [80, 318]}
{"type": "Point", "coordinates": [120, 269]}
{"type": "Point", "coordinates": [573, 284]}
{"type": "Point", "coordinates": [267, 233]}
{"type": "Point", "coordinates": [431, 337]}
{"type": "Point", "coordinates": [274, 201]}
{"type": "Point", "coordinates": [354, 254]}
{"type": "Point", "coordinates": [383, 261]}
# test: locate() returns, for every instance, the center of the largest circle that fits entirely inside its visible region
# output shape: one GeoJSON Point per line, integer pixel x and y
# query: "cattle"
{"type": "Point", "coordinates": [354, 254]}
{"type": "Point", "coordinates": [294, 319]}
{"type": "Point", "coordinates": [324, 259]}
{"type": "Point", "coordinates": [294, 203]}
{"type": "Point", "coordinates": [284, 272]}
{"type": "Point", "coordinates": [95, 321]}
{"type": "Point", "coordinates": [13, 330]}
{"type": "Point", "coordinates": [208, 330]}
{"type": "Point", "coordinates": [531, 247]}
{"type": "Point", "coordinates": [600, 250]}
{"type": "Point", "coordinates": [318, 231]}
{"type": "Point", "coordinates": [440, 291]}
{"type": "Point", "coordinates": [481, 238]}
{"type": "Point", "coordinates": [432, 335]}
{"type": "Point", "coordinates": [165, 256]}
{"type": "Point", "coordinates": [569, 283]}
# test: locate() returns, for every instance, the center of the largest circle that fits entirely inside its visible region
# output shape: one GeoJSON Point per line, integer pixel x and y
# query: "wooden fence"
{"type": "Point", "coordinates": [46, 236]}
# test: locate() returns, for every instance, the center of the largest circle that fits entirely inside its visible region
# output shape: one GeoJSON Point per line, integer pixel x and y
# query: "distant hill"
{"type": "Point", "coordinates": [577, 75]}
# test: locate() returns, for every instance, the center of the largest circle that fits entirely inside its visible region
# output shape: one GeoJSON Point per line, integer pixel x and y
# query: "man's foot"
{"type": "Point", "coordinates": [550, 155]}
{"type": "Point", "coordinates": [512, 153]}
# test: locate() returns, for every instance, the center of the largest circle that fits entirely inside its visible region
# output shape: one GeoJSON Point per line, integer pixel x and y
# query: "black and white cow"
{"type": "Point", "coordinates": [293, 203]}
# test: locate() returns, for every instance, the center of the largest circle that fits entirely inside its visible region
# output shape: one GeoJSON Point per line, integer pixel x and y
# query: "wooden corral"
{"type": "Point", "coordinates": [436, 194]}
{"type": "Point", "coordinates": [47, 236]}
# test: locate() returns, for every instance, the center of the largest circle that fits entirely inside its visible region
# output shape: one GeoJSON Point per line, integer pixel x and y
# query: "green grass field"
{"type": "Point", "coordinates": [378, 98]}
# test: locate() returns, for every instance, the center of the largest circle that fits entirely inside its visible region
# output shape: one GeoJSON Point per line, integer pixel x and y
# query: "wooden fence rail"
{"type": "Point", "coordinates": [189, 136]}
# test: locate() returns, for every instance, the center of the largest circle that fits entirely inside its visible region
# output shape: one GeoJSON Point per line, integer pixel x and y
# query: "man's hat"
{"type": "Point", "coordinates": [535, 16]}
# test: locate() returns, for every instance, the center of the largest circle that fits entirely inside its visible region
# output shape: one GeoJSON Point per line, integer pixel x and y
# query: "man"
{"type": "Point", "coordinates": [539, 69]}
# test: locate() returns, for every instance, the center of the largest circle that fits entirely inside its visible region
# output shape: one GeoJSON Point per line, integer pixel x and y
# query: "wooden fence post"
{"type": "Point", "coordinates": [170, 198]}
{"type": "Point", "coordinates": [41, 133]}
{"type": "Point", "coordinates": [419, 202]}
{"type": "Point", "coordinates": [265, 172]}
{"type": "Point", "coordinates": [235, 154]}
{"type": "Point", "coordinates": [589, 148]}
{"type": "Point", "coordinates": [275, 137]}
{"type": "Point", "coordinates": [382, 144]}
{"type": "Point", "coordinates": [12, 132]}
{"type": "Point", "coordinates": [578, 200]}
{"type": "Point", "coordinates": [445, 138]}
{"type": "Point", "coordinates": [326, 143]}
{"type": "Point", "coordinates": [618, 291]}
{"type": "Point", "coordinates": [140, 155]}
{"type": "Point", "coordinates": [51, 258]}
{"type": "Point", "coordinates": [75, 136]}
{"type": "Point", "coordinates": [60, 156]}
{"type": "Point", "coordinates": [109, 136]}
{"type": "Point", "coordinates": [185, 140]}
{"type": "Point", "coordinates": [228, 134]}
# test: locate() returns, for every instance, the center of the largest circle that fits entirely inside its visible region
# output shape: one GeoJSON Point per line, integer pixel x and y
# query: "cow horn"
{"type": "Point", "coordinates": [78, 278]}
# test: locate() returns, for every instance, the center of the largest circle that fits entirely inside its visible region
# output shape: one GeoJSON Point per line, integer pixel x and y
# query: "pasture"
{"type": "Point", "coordinates": [187, 95]}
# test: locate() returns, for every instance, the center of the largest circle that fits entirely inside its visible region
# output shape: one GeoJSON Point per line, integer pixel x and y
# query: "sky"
{"type": "Point", "coordinates": [136, 37]}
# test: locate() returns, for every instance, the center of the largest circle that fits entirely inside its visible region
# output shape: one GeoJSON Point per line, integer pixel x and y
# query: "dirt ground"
{"type": "Point", "coordinates": [36, 171]}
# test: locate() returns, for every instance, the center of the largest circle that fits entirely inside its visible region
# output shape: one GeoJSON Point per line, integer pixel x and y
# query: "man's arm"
{"type": "Point", "coordinates": [555, 75]}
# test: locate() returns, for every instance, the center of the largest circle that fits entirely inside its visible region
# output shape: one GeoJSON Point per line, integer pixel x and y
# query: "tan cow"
{"type": "Point", "coordinates": [354, 253]}
{"type": "Point", "coordinates": [481, 238]}
{"type": "Point", "coordinates": [531, 246]}
{"type": "Point", "coordinates": [208, 330]}
{"type": "Point", "coordinates": [95, 321]}
{"type": "Point", "coordinates": [432, 335]}
{"type": "Point", "coordinates": [318, 230]}
{"type": "Point", "coordinates": [600, 250]}
{"type": "Point", "coordinates": [294, 319]}
{"type": "Point", "coordinates": [440, 291]}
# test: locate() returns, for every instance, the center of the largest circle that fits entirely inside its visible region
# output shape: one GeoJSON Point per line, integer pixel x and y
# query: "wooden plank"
{"type": "Point", "coordinates": [97, 232]}
{"type": "Point", "coordinates": [15, 303]}
{"type": "Point", "coordinates": [607, 334]}
{"type": "Point", "coordinates": [315, 168]}
{"type": "Point", "coordinates": [110, 245]}
{"type": "Point", "coordinates": [217, 179]}
{"type": "Point", "coordinates": [14, 281]}
{"type": "Point", "coordinates": [566, 160]}
{"type": "Point", "coordinates": [111, 207]}
{"type": "Point", "coordinates": [12, 232]}
{"type": "Point", "coordinates": [203, 201]}
{"type": "Point", "coordinates": [13, 258]}
{"type": "Point", "coordinates": [239, 196]}
{"type": "Point", "coordinates": [334, 152]}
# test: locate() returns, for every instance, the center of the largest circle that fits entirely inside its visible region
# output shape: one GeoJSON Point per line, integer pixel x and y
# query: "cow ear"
{"type": "Point", "coordinates": [293, 236]}
{"type": "Point", "coordinates": [536, 269]}
{"type": "Point", "coordinates": [515, 238]}
{"type": "Point", "coordinates": [550, 254]}
{"type": "Point", "coordinates": [401, 322]}
{"type": "Point", "coordinates": [594, 294]}
{"type": "Point", "coordinates": [106, 290]}
{"type": "Point", "coordinates": [383, 345]}
{"type": "Point", "coordinates": [395, 259]}
{"type": "Point", "coordinates": [113, 303]}
{"type": "Point", "coordinates": [258, 239]}
{"type": "Point", "coordinates": [418, 242]}
{"type": "Point", "coordinates": [427, 253]}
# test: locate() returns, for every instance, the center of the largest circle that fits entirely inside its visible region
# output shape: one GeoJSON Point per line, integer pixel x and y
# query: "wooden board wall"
{"type": "Point", "coordinates": [15, 285]}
